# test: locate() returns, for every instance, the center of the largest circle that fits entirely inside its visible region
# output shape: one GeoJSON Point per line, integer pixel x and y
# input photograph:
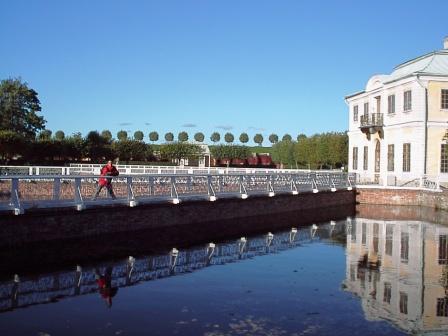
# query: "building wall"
{"type": "Point", "coordinates": [399, 128]}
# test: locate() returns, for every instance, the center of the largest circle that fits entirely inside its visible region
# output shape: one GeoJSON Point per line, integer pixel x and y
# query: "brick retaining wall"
{"type": "Point", "coordinates": [390, 196]}
{"type": "Point", "coordinates": [56, 224]}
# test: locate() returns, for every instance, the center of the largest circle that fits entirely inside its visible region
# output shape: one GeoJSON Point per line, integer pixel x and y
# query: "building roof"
{"type": "Point", "coordinates": [431, 64]}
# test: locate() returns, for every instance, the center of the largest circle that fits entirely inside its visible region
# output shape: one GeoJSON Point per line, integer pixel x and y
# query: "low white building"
{"type": "Point", "coordinates": [398, 128]}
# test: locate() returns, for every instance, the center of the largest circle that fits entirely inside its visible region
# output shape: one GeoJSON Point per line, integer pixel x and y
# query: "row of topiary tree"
{"type": "Point", "coordinates": [183, 136]}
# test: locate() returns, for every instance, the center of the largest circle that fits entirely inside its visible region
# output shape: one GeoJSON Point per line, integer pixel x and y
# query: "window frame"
{"type": "Point", "coordinates": [406, 157]}
{"type": "Point", "coordinates": [444, 99]}
{"type": "Point", "coordinates": [407, 103]}
{"type": "Point", "coordinates": [391, 105]}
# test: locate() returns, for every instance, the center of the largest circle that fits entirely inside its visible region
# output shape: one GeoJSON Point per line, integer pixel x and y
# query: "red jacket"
{"type": "Point", "coordinates": [107, 171]}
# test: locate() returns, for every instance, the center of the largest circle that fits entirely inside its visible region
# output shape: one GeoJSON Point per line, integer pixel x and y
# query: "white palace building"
{"type": "Point", "coordinates": [398, 129]}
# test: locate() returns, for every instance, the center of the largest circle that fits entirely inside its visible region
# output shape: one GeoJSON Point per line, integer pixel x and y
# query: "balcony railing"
{"type": "Point", "coordinates": [372, 120]}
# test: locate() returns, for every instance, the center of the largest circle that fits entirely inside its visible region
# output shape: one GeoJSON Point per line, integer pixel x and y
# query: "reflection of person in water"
{"type": "Point", "coordinates": [104, 283]}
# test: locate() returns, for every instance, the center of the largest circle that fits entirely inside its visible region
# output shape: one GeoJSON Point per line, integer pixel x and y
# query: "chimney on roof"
{"type": "Point", "coordinates": [445, 43]}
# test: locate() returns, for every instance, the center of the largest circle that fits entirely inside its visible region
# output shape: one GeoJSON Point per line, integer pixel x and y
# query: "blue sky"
{"type": "Point", "coordinates": [239, 66]}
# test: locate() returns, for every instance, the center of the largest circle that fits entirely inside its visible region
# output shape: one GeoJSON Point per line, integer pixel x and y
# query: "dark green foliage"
{"type": "Point", "coordinates": [138, 135]}
{"type": "Point", "coordinates": [287, 137]}
{"type": "Point", "coordinates": [180, 150]}
{"type": "Point", "coordinates": [107, 135]}
{"type": "Point", "coordinates": [11, 144]}
{"type": "Point", "coordinates": [18, 107]}
{"type": "Point", "coordinates": [258, 139]}
{"type": "Point", "coordinates": [283, 153]}
{"type": "Point", "coordinates": [228, 137]}
{"type": "Point", "coordinates": [215, 137]}
{"type": "Point", "coordinates": [153, 136]}
{"type": "Point", "coordinates": [44, 135]}
{"type": "Point", "coordinates": [230, 152]}
{"type": "Point", "coordinates": [134, 150]}
{"type": "Point", "coordinates": [182, 136]}
{"type": "Point", "coordinates": [169, 137]}
{"type": "Point", "coordinates": [59, 135]}
{"type": "Point", "coordinates": [199, 137]}
{"type": "Point", "coordinates": [273, 138]}
{"type": "Point", "coordinates": [122, 135]}
{"type": "Point", "coordinates": [244, 138]}
{"type": "Point", "coordinates": [96, 147]}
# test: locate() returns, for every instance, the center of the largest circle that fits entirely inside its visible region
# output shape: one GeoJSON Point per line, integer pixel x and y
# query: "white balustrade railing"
{"type": "Point", "coordinates": [19, 192]}
{"type": "Point", "coordinates": [94, 169]}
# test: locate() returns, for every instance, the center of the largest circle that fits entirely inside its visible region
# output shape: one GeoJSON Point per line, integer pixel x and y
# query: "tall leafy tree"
{"type": "Point", "coordinates": [153, 136]}
{"type": "Point", "coordinates": [283, 152]}
{"type": "Point", "coordinates": [59, 135]}
{"type": "Point", "coordinates": [106, 134]}
{"type": "Point", "coordinates": [122, 135]}
{"type": "Point", "coordinates": [96, 147]}
{"type": "Point", "coordinates": [19, 106]}
{"type": "Point", "coordinates": [244, 138]}
{"type": "Point", "coordinates": [138, 135]}
{"type": "Point", "coordinates": [273, 138]}
{"type": "Point", "coordinates": [169, 137]}
{"type": "Point", "coordinates": [215, 137]}
{"type": "Point", "coordinates": [258, 139]}
{"type": "Point", "coordinates": [199, 137]}
{"type": "Point", "coordinates": [182, 136]}
{"type": "Point", "coordinates": [287, 137]}
{"type": "Point", "coordinates": [228, 137]}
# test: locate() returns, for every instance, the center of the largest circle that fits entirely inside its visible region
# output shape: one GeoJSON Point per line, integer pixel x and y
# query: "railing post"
{"type": "Point", "coordinates": [130, 192]}
{"type": "Point", "coordinates": [174, 194]}
{"type": "Point", "coordinates": [15, 198]}
{"type": "Point", "coordinates": [78, 196]}
{"type": "Point", "coordinates": [243, 190]}
{"type": "Point", "coordinates": [211, 191]}
{"type": "Point", "coordinates": [151, 186]}
{"type": "Point", "coordinates": [56, 188]}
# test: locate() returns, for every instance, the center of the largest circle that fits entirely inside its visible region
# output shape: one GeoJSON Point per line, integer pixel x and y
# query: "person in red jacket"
{"type": "Point", "coordinates": [107, 170]}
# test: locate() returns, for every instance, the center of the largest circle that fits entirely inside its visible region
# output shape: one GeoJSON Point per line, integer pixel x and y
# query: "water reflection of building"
{"type": "Point", "coordinates": [399, 269]}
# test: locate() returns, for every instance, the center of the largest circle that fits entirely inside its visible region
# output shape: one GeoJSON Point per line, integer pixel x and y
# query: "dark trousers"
{"type": "Point", "coordinates": [109, 190]}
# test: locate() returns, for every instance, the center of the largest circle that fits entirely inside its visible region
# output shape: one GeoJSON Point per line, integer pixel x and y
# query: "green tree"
{"type": "Point", "coordinates": [96, 147]}
{"type": "Point", "coordinates": [122, 135]}
{"type": "Point", "coordinates": [215, 137]}
{"type": "Point", "coordinates": [182, 136]}
{"type": "Point", "coordinates": [180, 150]}
{"type": "Point", "coordinates": [154, 136]}
{"type": "Point", "coordinates": [11, 144]}
{"type": "Point", "coordinates": [230, 152]}
{"type": "Point", "coordinates": [228, 137]}
{"type": "Point", "coordinates": [19, 106]}
{"type": "Point", "coordinates": [107, 135]}
{"type": "Point", "coordinates": [169, 137]}
{"type": "Point", "coordinates": [283, 152]}
{"type": "Point", "coordinates": [59, 135]}
{"type": "Point", "coordinates": [301, 136]}
{"type": "Point", "coordinates": [138, 135]}
{"type": "Point", "coordinates": [244, 138]}
{"type": "Point", "coordinates": [199, 137]}
{"type": "Point", "coordinates": [44, 135]}
{"type": "Point", "coordinates": [287, 137]}
{"type": "Point", "coordinates": [128, 150]}
{"type": "Point", "coordinates": [273, 138]}
{"type": "Point", "coordinates": [258, 139]}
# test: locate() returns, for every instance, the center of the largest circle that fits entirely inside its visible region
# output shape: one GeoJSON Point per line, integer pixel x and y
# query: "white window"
{"type": "Point", "coordinates": [391, 104]}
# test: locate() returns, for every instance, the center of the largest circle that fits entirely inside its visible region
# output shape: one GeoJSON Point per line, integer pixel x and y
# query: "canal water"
{"type": "Point", "coordinates": [357, 276]}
